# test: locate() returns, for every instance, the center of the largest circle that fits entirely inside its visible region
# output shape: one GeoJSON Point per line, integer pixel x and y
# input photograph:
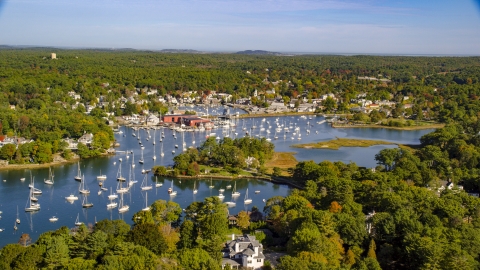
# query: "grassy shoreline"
{"type": "Point", "coordinates": [342, 142]}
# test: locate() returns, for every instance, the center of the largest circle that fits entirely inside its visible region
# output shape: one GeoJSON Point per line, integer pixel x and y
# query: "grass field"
{"type": "Point", "coordinates": [282, 160]}
{"type": "Point", "coordinates": [341, 142]}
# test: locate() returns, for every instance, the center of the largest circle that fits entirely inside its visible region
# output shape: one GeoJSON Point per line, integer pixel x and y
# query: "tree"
{"type": "Point", "coordinates": [371, 249]}
{"type": "Point", "coordinates": [243, 220]}
{"type": "Point", "coordinates": [188, 235]}
{"type": "Point", "coordinates": [329, 104]}
{"type": "Point", "coordinates": [7, 151]}
{"type": "Point", "coordinates": [164, 212]}
{"type": "Point", "coordinates": [149, 236]}
{"type": "Point", "coordinates": [197, 259]}
{"type": "Point", "coordinates": [335, 207]}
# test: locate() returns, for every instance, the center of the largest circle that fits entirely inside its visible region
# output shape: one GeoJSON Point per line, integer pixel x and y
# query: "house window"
{"type": "Point", "coordinates": [249, 262]}
{"type": "Point", "coordinates": [259, 260]}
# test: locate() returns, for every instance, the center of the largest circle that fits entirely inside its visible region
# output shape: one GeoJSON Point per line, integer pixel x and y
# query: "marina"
{"type": "Point", "coordinates": [63, 200]}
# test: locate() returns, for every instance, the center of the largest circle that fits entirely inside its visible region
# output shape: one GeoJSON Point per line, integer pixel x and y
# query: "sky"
{"type": "Point", "coordinates": [438, 27]}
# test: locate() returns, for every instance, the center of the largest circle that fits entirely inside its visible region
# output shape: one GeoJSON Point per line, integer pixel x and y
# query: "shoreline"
{"type": "Point", "coordinates": [432, 126]}
{"type": "Point", "coordinates": [272, 179]}
{"type": "Point", "coordinates": [60, 161]}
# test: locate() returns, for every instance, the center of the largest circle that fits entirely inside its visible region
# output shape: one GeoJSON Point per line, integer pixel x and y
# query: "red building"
{"type": "Point", "coordinates": [187, 120]}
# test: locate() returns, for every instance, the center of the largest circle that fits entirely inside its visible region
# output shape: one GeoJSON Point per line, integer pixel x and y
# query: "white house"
{"type": "Point", "coordinates": [243, 251]}
{"type": "Point", "coordinates": [86, 138]}
{"type": "Point", "coordinates": [152, 120]}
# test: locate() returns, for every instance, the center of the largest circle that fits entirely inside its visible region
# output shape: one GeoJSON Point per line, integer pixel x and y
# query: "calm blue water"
{"type": "Point", "coordinates": [14, 193]}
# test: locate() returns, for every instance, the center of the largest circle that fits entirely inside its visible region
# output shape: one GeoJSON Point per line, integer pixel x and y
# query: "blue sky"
{"type": "Point", "coordinates": [326, 26]}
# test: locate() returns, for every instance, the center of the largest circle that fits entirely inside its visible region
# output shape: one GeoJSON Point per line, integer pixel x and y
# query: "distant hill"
{"type": "Point", "coordinates": [179, 51]}
{"type": "Point", "coordinates": [259, 52]}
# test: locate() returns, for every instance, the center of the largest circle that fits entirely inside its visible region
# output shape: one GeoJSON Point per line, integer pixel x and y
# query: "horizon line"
{"type": "Point", "coordinates": [279, 53]}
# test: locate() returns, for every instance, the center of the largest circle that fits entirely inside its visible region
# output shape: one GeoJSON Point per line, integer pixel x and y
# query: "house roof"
{"type": "Point", "coordinates": [248, 251]}
{"type": "Point", "coordinates": [229, 262]}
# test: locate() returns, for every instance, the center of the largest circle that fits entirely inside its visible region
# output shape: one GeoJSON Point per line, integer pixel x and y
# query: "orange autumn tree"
{"type": "Point", "coordinates": [335, 207]}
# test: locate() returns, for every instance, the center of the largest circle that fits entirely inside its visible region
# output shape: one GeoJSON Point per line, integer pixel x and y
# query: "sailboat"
{"type": "Point", "coordinates": [102, 177]}
{"type": "Point", "coordinates": [154, 135]}
{"type": "Point", "coordinates": [147, 208]}
{"type": "Point", "coordinates": [49, 180]}
{"type": "Point", "coordinates": [154, 156]}
{"type": "Point", "coordinates": [157, 184]}
{"type": "Point", "coordinates": [231, 203]}
{"type": "Point", "coordinates": [122, 208]}
{"type": "Point", "coordinates": [85, 203]}
{"type": "Point", "coordinates": [133, 160]}
{"type": "Point", "coordinates": [171, 191]}
{"type": "Point", "coordinates": [211, 185]}
{"type": "Point", "coordinates": [235, 193]}
{"type": "Point", "coordinates": [221, 196]}
{"type": "Point", "coordinates": [82, 189]}
{"type": "Point", "coordinates": [31, 206]}
{"type": "Point", "coordinates": [35, 191]}
{"type": "Point", "coordinates": [77, 221]}
{"type": "Point", "coordinates": [119, 174]}
{"type": "Point", "coordinates": [78, 177]}
{"type": "Point", "coordinates": [18, 218]}
{"type": "Point", "coordinates": [111, 205]}
{"type": "Point", "coordinates": [121, 189]}
{"type": "Point", "coordinates": [53, 219]}
{"type": "Point", "coordinates": [141, 158]}
{"type": "Point", "coordinates": [195, 190]}
{"type": "Point", "coordinates": [161, 150]}
{"type": "Point", "coordinates": [145, 185]}
{"type": "Point", "coordinates": [112, 196]}
{"type": "Point", "coordinates": [247, 200]}
{"type": "Point", "coordinates": [131, 178]}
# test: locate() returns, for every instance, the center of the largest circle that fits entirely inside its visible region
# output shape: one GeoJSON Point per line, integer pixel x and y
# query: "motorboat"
{"type": "Point", "coordinates": [71, 198]}
{"type": "Point", "coordinates": [53, 219]}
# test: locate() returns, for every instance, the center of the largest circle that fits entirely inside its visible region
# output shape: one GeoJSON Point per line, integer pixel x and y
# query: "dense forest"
{"type": "Point", "coordinates": [402, 215]}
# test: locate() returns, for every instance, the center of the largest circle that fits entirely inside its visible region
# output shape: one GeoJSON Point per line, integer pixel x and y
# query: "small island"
{"type": "Point", "coordinates": [341, 142]}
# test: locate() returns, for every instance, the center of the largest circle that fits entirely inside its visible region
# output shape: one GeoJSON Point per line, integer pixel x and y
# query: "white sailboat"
{"type": "Point", "coordinates": [247, 200]}
{"type": "Point", "coordinates": [171, 191]}
{"type": "Point", "coordinates": [49, 180]}
{"type": "Point", "coordinates": [35, 191]}
{"type": "Point", "coordinates": [154, 135]}
{"type": "Point", "coordinates": [131, 178]}
{"type": "Point", "coordinates": [18, 217]}
{"type": "Point", "coordinates": [154, 156]}
{"type": "Point", "coordinates": [31, 206]}
{"type": "Point", "coordinates": [82, 189]}
{"type": "Point", "coordinates": [231, 203]}
{"type": "Point", "coordinates": [211, 185]}
{"type": "Point", "coordinates": [157, 184]}
{"type": "Point", "coordinates": [161, 150]}
{"type": "Point", "coordinates": [145, 185]}
{"type": "Point", "coordinates": [78, 177]}
{"type": "Point", "coordinates": [85, 203]}
{"type": "Point", "coordinates": [221, 196]}
{"type": "Point", "coordinates": [195, 190]}
{"type": "Point", "coordinates": [119, 174]}
{"type": "Point", "coordinates": [141, 158]}
{"type": "Point", "coordinates": [53, 219]}
{"type": "Point", "coordinates": [235, 193]}
{"type": "Point", "coordinates": [77, 221]}
{"type": "Point", "coordinates": [133, 160]}
{"type": "Point", "coordinates": [112, 196]}
{"type": "Point", "coordinates": [102, 177]}
{"type": "Point", "coordinates": [147, 208]}
{"type": "Point", "coordinates": [122, 208]}
{"type": "Point", "coordinates": [120, 188]}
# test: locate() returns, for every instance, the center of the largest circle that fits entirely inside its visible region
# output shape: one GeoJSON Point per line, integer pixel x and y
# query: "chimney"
{"type": "Point", "coordinates": [233, 236]}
